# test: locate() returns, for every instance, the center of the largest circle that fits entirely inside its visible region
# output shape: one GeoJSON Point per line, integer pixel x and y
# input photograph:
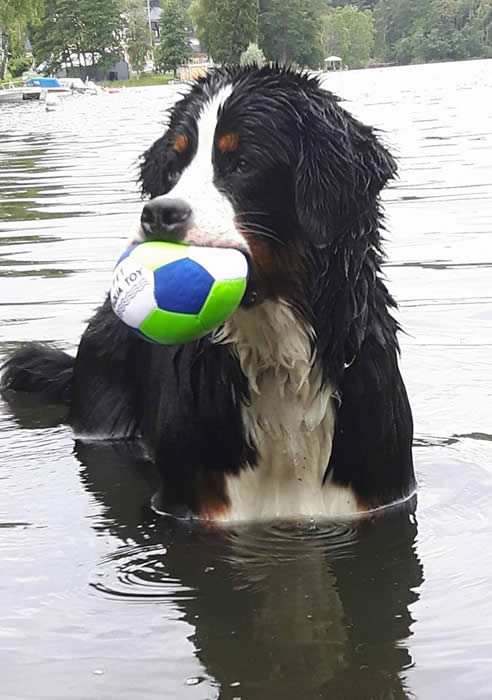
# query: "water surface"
{"type": "Point", "coordinates": [99, 598]}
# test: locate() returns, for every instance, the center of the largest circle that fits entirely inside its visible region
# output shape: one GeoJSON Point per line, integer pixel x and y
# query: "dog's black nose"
{"type": "Point", "coordinates": [166, 219]}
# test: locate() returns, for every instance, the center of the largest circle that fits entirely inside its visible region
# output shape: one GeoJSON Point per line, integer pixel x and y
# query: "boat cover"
{"type": "Point", "coordinates": [43, 82]}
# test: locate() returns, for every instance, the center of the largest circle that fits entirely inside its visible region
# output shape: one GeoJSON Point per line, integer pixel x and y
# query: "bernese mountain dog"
{"type": "Point", "coordinates": [295, 407]}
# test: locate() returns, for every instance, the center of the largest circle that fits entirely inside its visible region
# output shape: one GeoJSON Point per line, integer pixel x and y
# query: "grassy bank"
{"type": "Point", "coordinates": [145, 79]}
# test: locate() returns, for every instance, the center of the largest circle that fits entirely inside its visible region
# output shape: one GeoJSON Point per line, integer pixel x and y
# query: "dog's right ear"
{"type": "Point", "coordinates": [341, 169]}
{"type": "Point", "coordinates": [156, 168]}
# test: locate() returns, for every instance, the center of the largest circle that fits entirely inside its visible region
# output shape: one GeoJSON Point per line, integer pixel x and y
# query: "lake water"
{"type": "Point", "coordinates": [99, 598]}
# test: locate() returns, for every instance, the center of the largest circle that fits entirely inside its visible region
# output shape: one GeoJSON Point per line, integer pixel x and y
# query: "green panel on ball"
{"type": "Point", "coordinates": [168, 328]}
{"type": "Point", "coordinates": [154, 254]}
{"type": "Point", "coordinates": [223, 299]}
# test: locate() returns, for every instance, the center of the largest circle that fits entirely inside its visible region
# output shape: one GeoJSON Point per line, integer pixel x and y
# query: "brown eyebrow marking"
{"type": "Point", "coordinates": [228, 142]}
{"type": "Point", "coordinates": [180, 143]}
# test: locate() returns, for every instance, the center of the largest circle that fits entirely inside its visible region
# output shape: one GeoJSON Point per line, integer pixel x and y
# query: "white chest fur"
{"type": "Point", "coordinates": [290, 420]}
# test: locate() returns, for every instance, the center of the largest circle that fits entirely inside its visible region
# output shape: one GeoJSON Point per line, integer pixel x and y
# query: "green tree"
{"type": "Point", "coordinates": [253, 56]}
{"type": "Point", "coordinates": [89, 30]}
{"type": "Point", "coordinates": [205, 20]}
{"type": "Point", "coordinates": [225, 27]}
{"type": "Point", "coordinates": [17, 66]}
{"type": "Point", "coordinates": [324, 5]}
{"type": "Point", "coordinates": [432, 30]}
{"type": "Point", "coordinates": [138, 36]}
{"type": "Point", "coordinates": [102, 30]}
{"type": "Point", "coordinates": [442, 33]}
{"type": "Point", "coordinates": [394, 19]}
{"type": "Point", "coordinates": [174, 48]}
{"type": "Point", "coordinates": [57, 36]}
{"type": "Point", "coordinates": [15, 15]}
{"type": "Point", "coordinates": [483, 17]}
{"type": "Point", "coordinates": [289, 32]}
{"type": "Point", "coordinates": [349, 33]}
{"type": "Point", "coordinates": [446, 30]}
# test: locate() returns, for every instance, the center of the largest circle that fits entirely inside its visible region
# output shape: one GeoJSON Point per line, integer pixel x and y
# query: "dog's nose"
{"type": "Point", "coordinates": [166, 219]}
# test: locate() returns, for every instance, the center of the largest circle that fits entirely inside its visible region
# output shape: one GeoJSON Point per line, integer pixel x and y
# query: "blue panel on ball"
{"type": "Point", "coordinates": [182, 286]}
{"type": "Point", "coordinates": [126, 253]}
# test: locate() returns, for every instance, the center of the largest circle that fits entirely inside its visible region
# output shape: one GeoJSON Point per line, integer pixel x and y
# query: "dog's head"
{"type": "Point", "coordinates": [268, 162]}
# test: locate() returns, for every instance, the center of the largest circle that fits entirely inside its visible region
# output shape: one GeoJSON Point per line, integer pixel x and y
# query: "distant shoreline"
{"type": "Point", "coordinates": [142, 81]}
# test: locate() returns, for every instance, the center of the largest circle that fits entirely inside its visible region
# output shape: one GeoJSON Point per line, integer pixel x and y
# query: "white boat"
{"type": "Point", "coordinates": [48, 86]}
{"type": "Point", "coordinates": [78, 85]}
{"type": "Point", "coordinates": [17, 91]}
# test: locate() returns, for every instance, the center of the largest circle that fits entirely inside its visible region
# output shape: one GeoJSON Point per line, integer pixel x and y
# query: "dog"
{"type": "Point", "coordinates": [295, 407]}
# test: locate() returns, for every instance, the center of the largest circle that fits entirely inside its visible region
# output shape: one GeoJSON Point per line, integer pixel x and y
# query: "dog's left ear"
{"type": "Point", "coordinates": [341, 169]}
{"type": "Point", "coordinates": [155, 173]}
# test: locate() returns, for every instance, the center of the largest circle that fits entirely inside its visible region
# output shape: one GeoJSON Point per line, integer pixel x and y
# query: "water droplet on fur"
{"type": "Point", "coordinates": [194, 681]}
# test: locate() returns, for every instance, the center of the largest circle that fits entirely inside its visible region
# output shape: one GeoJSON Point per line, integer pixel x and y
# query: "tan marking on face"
{"type": "Point", "coordinates": [229, 142]}
{"type": "Point", "coordinates": [180, 144]}
{"type": "Point", "coordinates": [280, 271]}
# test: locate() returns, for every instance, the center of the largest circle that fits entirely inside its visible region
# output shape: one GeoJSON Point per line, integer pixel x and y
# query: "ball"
{"type": "Point", "coordinates": [173, 293]}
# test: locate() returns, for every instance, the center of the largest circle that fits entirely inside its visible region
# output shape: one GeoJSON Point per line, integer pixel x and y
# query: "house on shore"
{"type": "Point", "coordinates": [155, 12]}
{"type": "Point", "coordinates": [82, 68]}
{"type": "Point", "coordinates": [198, 64]}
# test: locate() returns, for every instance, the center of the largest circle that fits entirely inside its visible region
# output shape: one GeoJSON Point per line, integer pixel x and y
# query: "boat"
{"type": "Point", "coordinates": [49, 85]}
{"type": "Point", "coordinates": [17, 91]}
{"type": "Point", "coordinates": [78, 85]}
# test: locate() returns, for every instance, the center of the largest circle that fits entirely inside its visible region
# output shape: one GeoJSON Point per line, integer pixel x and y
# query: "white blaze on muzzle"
{"type": "Point", "coordinates": [213, 219]}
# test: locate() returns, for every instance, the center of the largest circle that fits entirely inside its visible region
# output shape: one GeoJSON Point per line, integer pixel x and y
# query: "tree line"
{"type": "Point", "coordinates": [302, 32]}
{"type": "Point", "coordinates": [15, 15]}
{"type": "Point", "coordinates": [89, 35]}
{"type": "Point", "coordinates": [358, 31]}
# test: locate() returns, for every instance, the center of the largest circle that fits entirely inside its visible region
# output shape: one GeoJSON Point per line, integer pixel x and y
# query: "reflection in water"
{"type": "Point", "coordinates": [26, 176]}
{"type": "Point", "coordinates": [30, 411]}
{"type": "Point", "coordinates": [47, 272]}
{"type": "Point", "coordinates": [275, 608]}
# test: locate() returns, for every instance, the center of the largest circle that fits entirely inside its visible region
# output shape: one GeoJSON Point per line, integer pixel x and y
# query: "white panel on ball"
{"type": "Point", "coordinates": [132, 292]}
{"type": "Point", "coordinates": [221, 263]}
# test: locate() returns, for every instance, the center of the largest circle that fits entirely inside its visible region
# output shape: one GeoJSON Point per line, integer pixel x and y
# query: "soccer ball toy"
{"type": "Point", "coordinates": [172, 293]}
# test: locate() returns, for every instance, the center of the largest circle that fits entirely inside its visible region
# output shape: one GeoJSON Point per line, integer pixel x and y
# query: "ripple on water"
{"type": "Point", "coordinates": [142, 572]}
{"type": "Point", "coordinates": [137, 573]}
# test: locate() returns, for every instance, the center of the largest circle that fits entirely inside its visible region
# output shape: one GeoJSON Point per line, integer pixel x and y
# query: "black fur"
{"type": "Point", "coordinates": [309, 174]}
{"type": "Point", "coordinates": [42, 370]}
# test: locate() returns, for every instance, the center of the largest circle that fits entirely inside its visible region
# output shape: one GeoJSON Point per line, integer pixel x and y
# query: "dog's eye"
{"type": "Point", "coordinates": [242, 165]}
